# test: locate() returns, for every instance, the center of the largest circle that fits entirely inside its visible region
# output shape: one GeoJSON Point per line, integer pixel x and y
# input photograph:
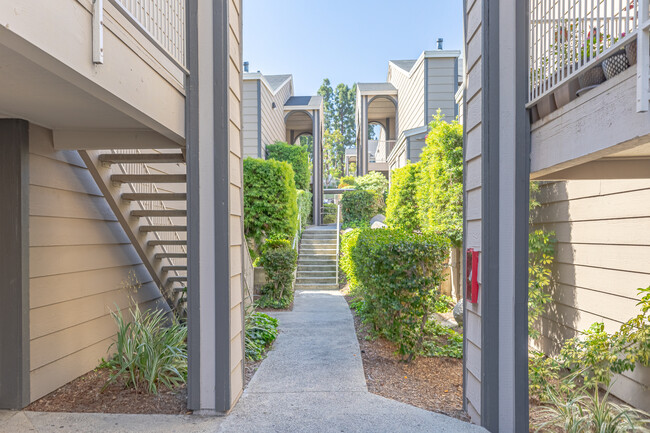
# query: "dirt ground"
{"type": "Point", "coordinates": [434, 384]}
{"type": "Point", "coordinates": [85, 394]}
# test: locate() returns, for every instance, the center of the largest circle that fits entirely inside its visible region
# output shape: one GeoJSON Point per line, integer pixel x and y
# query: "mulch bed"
{"type": "Point", "coordinates": [434, 384]}
{"type": "Point", "coordinates": [85, 394]}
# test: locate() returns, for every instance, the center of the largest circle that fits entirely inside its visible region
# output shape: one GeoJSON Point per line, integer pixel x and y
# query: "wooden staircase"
{"type": "Point", "coordinates": [146, 190]}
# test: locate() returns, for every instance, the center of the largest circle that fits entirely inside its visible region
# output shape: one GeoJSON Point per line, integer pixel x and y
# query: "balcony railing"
{"type": "Point", "coordinates": [162, 21]}
{"type": "Point", "coordinates": [567, 37]}
{"type": "Point", "coordinates": [384, 148]}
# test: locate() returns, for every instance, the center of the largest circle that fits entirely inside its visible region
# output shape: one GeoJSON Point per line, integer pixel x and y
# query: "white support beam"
{"type": "Point", "coordinates": [643, 59]}
{"type": "Point", "coordinates": [98, 31]}
{"type": "Point", "coordinates": [74, 139]}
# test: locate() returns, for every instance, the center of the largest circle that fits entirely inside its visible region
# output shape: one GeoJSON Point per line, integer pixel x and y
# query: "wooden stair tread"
{"type": "Point", "coordinates": [171, 256]}
{"type": "Point", "coordinates": [174, 268]}
{"type": "Point", "coordinates": [149, 178]}
{"type": "Point", "coordinates": [147, 196]}
{"type": "Point", "coordinates": [163, 228]}
{"type": "Point", "coordinates": [159, 213]}
{"type": "Point", "coordinates": [159, 242]}
{"type": "Point", "coordinates": [135, 158]}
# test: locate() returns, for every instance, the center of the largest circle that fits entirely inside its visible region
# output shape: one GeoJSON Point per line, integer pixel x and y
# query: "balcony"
{"type": "Point", "coordinates": [80, 66]}
{"type": "Point", "coordinates": [589, 72]}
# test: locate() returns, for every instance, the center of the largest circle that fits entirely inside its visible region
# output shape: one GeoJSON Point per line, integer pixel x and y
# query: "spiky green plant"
{"type": "Point", "coordinates": [151, 350]}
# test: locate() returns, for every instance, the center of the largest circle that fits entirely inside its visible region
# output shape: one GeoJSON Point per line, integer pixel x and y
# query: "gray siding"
{"type": "Point", "coordinates": [603, 237]}
{"type": "Point", "coordinates": [79, 259]}
{"type": "Point", "coordinates": [473, 205]}
{"type": "Point", "coordinates": [249, 107]}
{"type": "Point", "coordinates": [442, 85]}
{"type": "Point", "coordinates": [273, 127]}
{"type": "Point", "coordinates": [411, 96]}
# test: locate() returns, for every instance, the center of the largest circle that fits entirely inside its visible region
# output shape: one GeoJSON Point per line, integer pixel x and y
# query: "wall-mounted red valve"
{"type": "Point", "coordinates": [472, 276]}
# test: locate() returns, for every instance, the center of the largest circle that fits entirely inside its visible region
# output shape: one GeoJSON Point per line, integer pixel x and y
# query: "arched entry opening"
{"type": "Point", "coordinates": [378, 114]}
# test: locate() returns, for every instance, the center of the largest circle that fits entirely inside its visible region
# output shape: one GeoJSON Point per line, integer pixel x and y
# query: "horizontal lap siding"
{"type": "Point", "coordinates": [79, 260]}
{"type": "Point", "coordinates": [249, 104]}
{"type": "Point", "coordinates": [235, 210]}
{"type": "Point", "coordinates": [442, 85]}
{"type": "Point", "coordinates": [603, 237]}
{"type": "Point", "coordinates": [473, 203]}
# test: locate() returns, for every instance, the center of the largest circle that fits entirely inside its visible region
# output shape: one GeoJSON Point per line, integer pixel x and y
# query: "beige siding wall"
{"type": "Point", "coordinates": [249, 109]}
{"type": "Point", "coordinates": [410, 103]}
{"type": "Point", "coordinates": [473, 212]}
{"type": "Point", "coordinates": [79, 259]}
{"type": "Point", "coordinates": [236, 206]}
{"type": "Point", "coordinates": [273, 126]}
{"type": "Point", "coordinates": [603, 241]}
{"type": "Point", "coordinates": [442, 86]}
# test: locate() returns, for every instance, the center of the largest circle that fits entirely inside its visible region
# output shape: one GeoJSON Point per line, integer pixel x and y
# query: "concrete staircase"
{"type": "Point", "coordinates": [317, 259]}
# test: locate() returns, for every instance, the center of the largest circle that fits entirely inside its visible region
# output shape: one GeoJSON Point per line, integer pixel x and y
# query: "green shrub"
{"type": "Point", "coordinates": [377, 183]}
{"type": "Point", "coordinates": [270, 201]}
{"type": "Point", "coordinates": [279, 262]}
{"type": "Point", "coordinates": [442, 341]}
{"type": "Point", "coordinates": [440, 183]}
{"type": "Point", "coordinates": [402, 204]}
{"type": "Point", "coordinates": [329, 213]}
{"type": "Point", "coordinates": [305, 207]}
{"type": "Point", "coordinates": [359, 205]}
{"type": "Point", "coordinates": [261, 331]}
{"type": "Point", "coordinates": [347, 182]}
{"type": "Point", "coordinates": [541, 254]}
{"type": "Point", "coordinates": [296, 156]}
{"type": "Point", "coordinates": [348, 242]}
{"type": "Point", "coordinates": [149, 350]}
{"type": "Point", "coordinates": [399, 274]}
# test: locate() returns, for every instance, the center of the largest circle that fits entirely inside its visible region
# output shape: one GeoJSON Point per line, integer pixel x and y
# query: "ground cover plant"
{"type": "Point", "coordinates": [261, 331]}
{"type": "Point", "coordinates": [279, 261]}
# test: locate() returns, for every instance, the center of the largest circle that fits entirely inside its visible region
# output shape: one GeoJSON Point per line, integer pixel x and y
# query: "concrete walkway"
{"type": "Point", "coordinates": [312, 381]}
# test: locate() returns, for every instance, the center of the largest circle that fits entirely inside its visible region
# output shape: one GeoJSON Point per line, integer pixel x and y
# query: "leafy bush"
{"type": "Point", "coordinates": [150, 351]}
{"type": "Point", "coordinates": [348, 242]}
{"type": "Point", "coordinates": [270, 201]}
{"type": "Point", "coordinates": [356, 224]}
{"type": "Point", "coordinates": [261, 331]}
{"type": "Point", "coordinates": [373, 181]}
{"type": "Point", "coordinates": [541, 254]}
{"type": "Point", "coordinates": [402, 205]}
{"type": "Point", "coordinates": [347, 182]}
{"type": "Point", "coordinates": [279, 262]}
{"type": "Point", "coordinates": [399, 274]}
{"type": "Point", "coordinates": [442, 341]}
{"type": "Point", "coordinates": [304, 207]}
{"type": "Point", "coordinates": [296, 156]}
{"type": "Point", "coordinates": [359, 205]}
{"type": "Point", "coordinates": [329, 213]}
{"type": "Point", "coordinates": [440, 183]}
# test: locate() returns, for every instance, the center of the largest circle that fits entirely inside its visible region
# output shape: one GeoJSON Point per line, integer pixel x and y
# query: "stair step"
{"type": "Point", "coordinates": [316, 287]}
{"type": "Point", "coordinates": [173, 268]}
{"type": "Point", "coordinates": [322, 242]}
{"type": "Point", "coordinates": [162, 196]}
{"type": "Point", "coordinates": [149, 178]}
{"type": "Point", "coordinates": [178, 279]}
{"type": "Point", "coordinates": [317, 251]}
{"type": "Point", "coordinates": [316, 280]}
{"type": "Point", "coordinates": [316, 274]}
{"type": "Point", "coordinates": [165, 242]}
{"type": "Point", "coordinates": [163, 228]}
{"type": "Point", "coordinates": [135, 158]}
{"type": "Point", "coordinates": [317, 256]}
{"type": "Point", "coordinates": [159, 256]}
{"type": "Point", "coordinates": [329, 231]}
{"type": "Point", "coordinates": [302, 267]}
{"type": "Point", "coordinates": [159, 213]}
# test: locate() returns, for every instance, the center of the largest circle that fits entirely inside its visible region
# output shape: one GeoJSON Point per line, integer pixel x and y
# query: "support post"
{"type": "Point", "coordinates": [14, 264]}
{"type": "Point", "coordinates": [317, 159]}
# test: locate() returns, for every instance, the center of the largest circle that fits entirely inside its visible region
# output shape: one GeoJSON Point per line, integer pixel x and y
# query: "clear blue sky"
{"type": "Point", "coordinates": [344, 40]}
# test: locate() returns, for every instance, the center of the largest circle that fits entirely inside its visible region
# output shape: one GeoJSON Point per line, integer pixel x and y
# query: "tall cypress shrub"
{"type": "Point", "coordinates": [294, 155]}
{"type": "Point", "coordinates": [402, 205]}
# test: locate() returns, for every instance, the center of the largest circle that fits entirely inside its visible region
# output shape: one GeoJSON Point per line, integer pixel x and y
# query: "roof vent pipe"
{"type": "Point", "coordinates": [439, 42]}
{"type": "Point", "coordinates": [245, 66]}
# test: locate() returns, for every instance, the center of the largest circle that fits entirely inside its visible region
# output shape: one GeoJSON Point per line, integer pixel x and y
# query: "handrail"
{"type": "Point", "coordinates": [296, 237]}
{"type": "Point", "coordinates": [338, 240]}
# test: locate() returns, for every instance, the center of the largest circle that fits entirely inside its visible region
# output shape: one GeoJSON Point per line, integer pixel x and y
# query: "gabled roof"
{"type": "Point", "coordinates": [276, 81]}
{"type": "Point", "coordinates": [307, 102]}
{"type": "Point", "coordinates": [405, 65]}
{"type": "Point", "coordinates": [376, 89]}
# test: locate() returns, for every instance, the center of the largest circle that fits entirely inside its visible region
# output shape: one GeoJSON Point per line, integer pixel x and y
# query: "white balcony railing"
{"type": "Point", "coordinates": [567, 37]}
{"type": "Point", "coordinates": [163, 21]}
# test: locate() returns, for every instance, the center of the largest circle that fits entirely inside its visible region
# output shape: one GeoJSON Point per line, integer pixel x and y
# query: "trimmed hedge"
{"type": "Point", "coordinates": [398, 274]}
{"type": "Point", "coordinates": [402, 205]}
{"type": "Point", "coordinates": [359, 205]}
{"type": "Point", "coordinates": [305, 207]}
{"type": "Point", "coordinates": [270, 201]}
{"type": "Point", "coordinates": [279, 261]}
{"type": "Point", "coordinates": [294, 155]}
